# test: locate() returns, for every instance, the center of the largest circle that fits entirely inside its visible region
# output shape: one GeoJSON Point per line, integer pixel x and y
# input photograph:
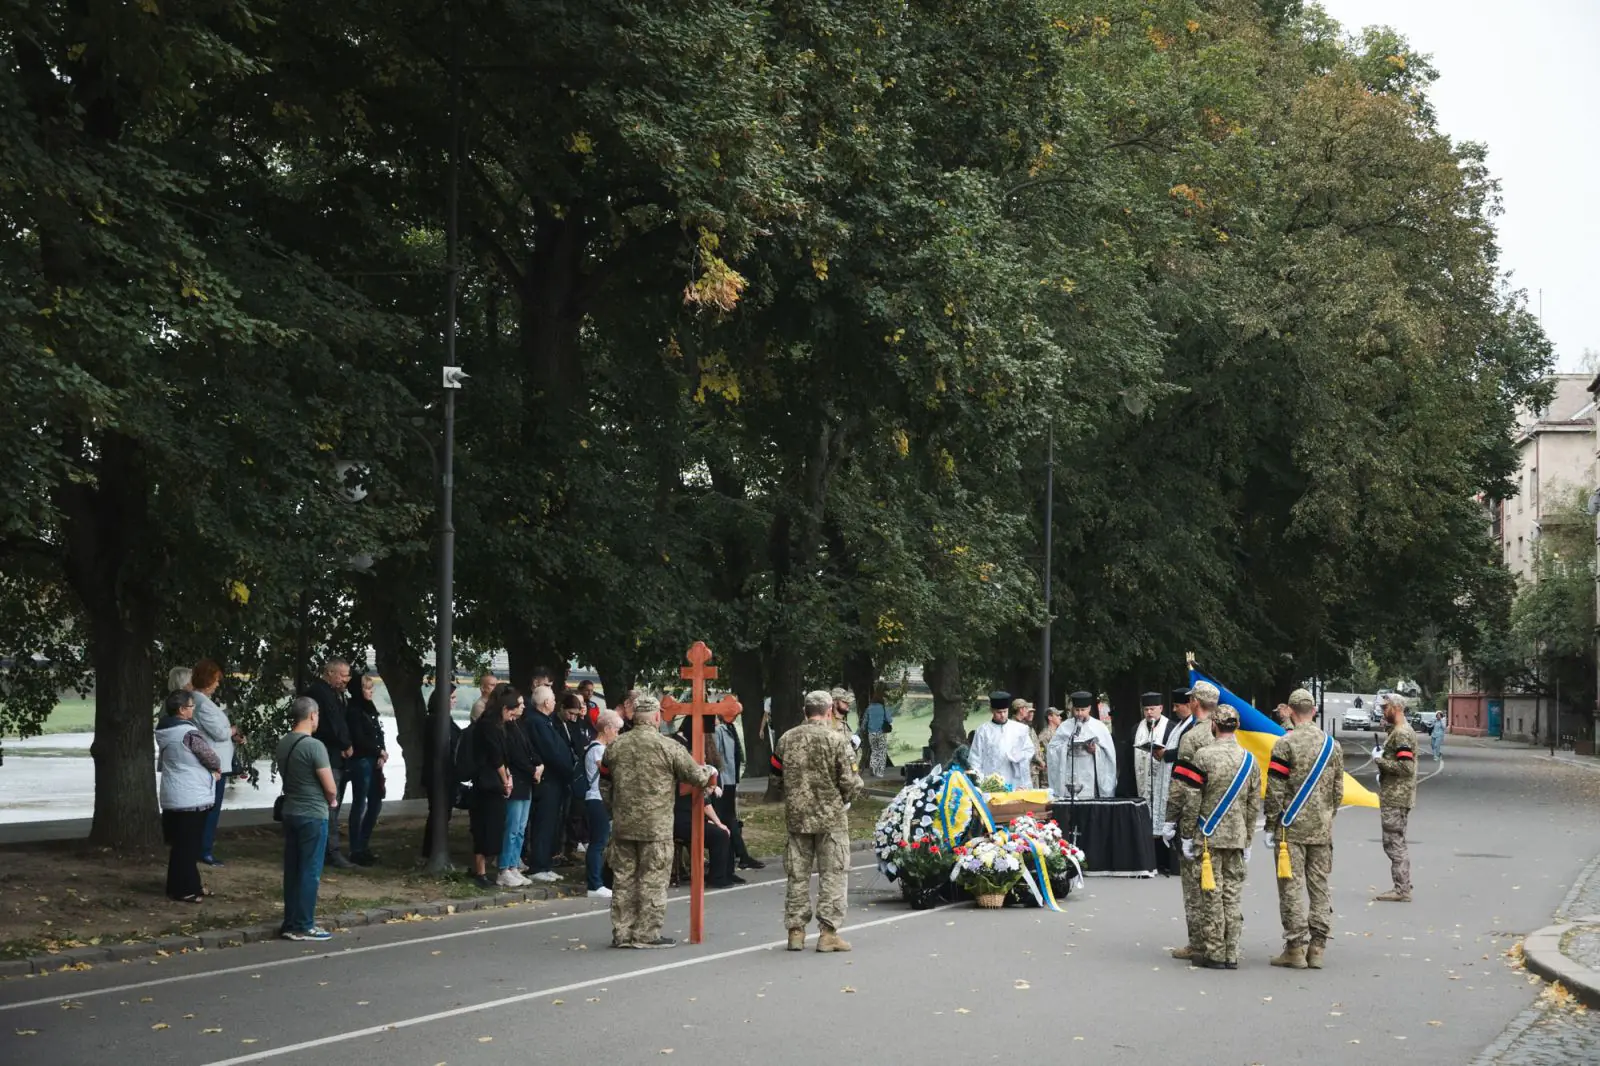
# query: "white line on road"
{"type": "Point", "coordinates": [270, 964]}
{"type": "Point", "coordinates": [456, 1012]}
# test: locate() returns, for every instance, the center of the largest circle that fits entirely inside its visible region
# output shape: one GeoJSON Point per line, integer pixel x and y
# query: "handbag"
{"type": "Point", "coordinates": [277, 804]}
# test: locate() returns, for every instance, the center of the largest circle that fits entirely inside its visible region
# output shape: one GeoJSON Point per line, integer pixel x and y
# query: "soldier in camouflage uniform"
{"type": "Point", "coordinates": [1309, 836]}
{"type": "Point", "coordinates": [1397, 794]}
{"type": "Point", "coordinates": [1203, 698]}
{"type": "Point", "coordinates": [646, 769]}
{"type": "Point", "coordinates": [1216, 765]}
{"type": "Point", "coordinates": [819, 781]}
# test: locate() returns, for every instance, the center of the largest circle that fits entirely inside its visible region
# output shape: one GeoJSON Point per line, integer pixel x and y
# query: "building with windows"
{"type": "Point", "coordinates": [1557, 450]}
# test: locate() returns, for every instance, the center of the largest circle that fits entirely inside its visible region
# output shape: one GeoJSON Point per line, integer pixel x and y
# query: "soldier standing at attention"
{"type": "Point", "coordinates": [1220, 815]}
{"type": "Point", "coordinates": [1203, 699]}
{"type": "Point", "coordinates": [1305, 785]}
{"type": "Point", "coordinates": [819, 781]}
{"type": "Point", "coordinates": [1397, 794]}
{"type": "Point", "coordinates": [646, 769]}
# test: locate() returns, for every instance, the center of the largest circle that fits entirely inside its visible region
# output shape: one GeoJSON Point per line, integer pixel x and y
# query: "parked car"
{"type": "Point", "coordinates": [1356, 719]}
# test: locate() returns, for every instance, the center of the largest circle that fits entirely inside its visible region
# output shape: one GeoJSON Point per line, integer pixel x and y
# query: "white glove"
{"type": "Point", "coordinates": [855, 741]}
{"type": "Point", "coordinates": [1168, 831]}
{"type": "Point", "coordinates": [1246, 854]}
{"type": "Point", "coordinates": [1377, 752]}
{"type": "Point", "coordinates": [1188, 849]}
{"type": "Point", "coordinates": [1270, 841]}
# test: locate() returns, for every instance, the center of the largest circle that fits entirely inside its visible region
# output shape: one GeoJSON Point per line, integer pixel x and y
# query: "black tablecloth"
{"type": "Point", "coordinates": [1113, 833]}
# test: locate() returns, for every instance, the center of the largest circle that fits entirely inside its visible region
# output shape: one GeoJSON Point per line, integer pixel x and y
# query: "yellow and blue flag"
{"type": "Point", "coordinates": [1257, 734]}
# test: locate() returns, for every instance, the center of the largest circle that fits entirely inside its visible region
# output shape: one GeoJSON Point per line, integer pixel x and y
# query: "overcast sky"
{"type": "Point", "coordinates": [1524, 79]}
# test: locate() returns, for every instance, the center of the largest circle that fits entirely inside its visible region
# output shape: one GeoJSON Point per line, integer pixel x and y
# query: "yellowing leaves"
{"type": "Point", "coordinates": [719, 286]}
{"type": "Point", "coordinates": [1398, 62]}
{"type": "Point", "coordinates": [902, 443]}
{"type": "Point", "coordinates": [580, 143]}
{"type": "Point", "coordinates": [1188, 192]}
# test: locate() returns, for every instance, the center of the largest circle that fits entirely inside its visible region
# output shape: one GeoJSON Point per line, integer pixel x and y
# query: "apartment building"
{"type": "Point", "coordinates": [1557, 450]}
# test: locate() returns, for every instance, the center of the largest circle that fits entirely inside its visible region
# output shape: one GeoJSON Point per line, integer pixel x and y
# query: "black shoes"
{"type": "Point", "coordinates": [752, 864]}
{"type": "Point", "coordinates": [658, 942]}
{"type": "Point", "coordinates": [364, 858]}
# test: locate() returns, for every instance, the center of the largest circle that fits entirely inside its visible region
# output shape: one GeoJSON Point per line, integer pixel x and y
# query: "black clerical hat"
{"type": "Point", "coordinates": [1150, 699]}
{"type": "Point", "coordinates": [999, 701]}
{"type": "Point", "coordinates": [1181, 695]}
{"type": "Point", "coordinates": [1081, 699]}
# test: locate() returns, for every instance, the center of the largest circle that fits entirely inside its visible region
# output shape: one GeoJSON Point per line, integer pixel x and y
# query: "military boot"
{"type": "Point", "coordinates": [1293, 957]}
{"type": "Point", "coordinates": [1314, 952]}
{"type": "Point", "coordinates": [1185, 952]}
{"type": "Point", "coordinates": [797, 940]}
{"type": "Point", "coordinates": [1393, 897]}
{"type": "Point", "coordinates": [829, 941]}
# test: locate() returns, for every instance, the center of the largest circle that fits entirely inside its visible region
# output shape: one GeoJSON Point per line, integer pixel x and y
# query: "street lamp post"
{"type": "Point", "coordinates": [440, 787]}
{"type": "Point", "coordinates": [1049, 519]}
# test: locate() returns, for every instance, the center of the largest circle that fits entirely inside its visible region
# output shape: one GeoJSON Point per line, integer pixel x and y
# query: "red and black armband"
{"type": "Point", "coordinates": [1279, 768]}
{"type": "Point", "coordinates": [1404, 752]}
{"type": "Point", "coordinates": [777, 765]}
{"type": "Point", "coordinates": [1189, 773]}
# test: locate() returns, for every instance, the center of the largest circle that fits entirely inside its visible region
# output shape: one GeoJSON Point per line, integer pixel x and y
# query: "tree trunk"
{"type": "Point", "coordinates": [1124, 692]}
{"type": "Point", "coordinates": [126, 813]}
{"type": "Point", "coordinates": [403, 674]}
{"type": "Point", "coordinates": [615, 681]}
{"type": "Point", "coordinates": [787, 671]}
{"type": "Point", "coordinates": [943, 675]}
{"type": "Point", "coordinates": [529, 651]}
{"type": "Point", "coordinates": [859, 674]}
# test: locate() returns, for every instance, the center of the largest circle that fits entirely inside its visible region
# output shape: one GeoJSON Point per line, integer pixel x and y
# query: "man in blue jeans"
{"type": "Point", "coordinates": [554, 750]}
{"type": "Point", "coordinates": [308, 795]}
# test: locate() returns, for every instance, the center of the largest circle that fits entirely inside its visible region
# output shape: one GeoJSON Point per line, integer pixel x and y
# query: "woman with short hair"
{"type": "Point", "coordinates": [189, 770]}
{"type": "Point", "coordinates": [204, 680]}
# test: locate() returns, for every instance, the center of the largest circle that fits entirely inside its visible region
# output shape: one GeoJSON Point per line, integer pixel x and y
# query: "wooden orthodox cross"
{"type": "Point", "coordinates": [697, 673]}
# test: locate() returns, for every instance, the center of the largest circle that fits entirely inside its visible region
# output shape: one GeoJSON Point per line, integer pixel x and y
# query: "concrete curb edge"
{"type": "Point", "coordinates": [1541, 951]}
{"type": "Point", "coordinates": [75, 958]}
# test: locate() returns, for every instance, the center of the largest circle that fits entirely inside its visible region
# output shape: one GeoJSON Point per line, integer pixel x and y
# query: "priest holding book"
{"type": "Point", "coordinates": [1082, 757]}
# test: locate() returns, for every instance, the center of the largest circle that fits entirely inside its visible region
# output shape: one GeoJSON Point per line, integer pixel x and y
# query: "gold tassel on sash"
{"type": "Point", "coordinates": [1208, 880]}
{"type": "Point", "coordinates": [1285, 871]}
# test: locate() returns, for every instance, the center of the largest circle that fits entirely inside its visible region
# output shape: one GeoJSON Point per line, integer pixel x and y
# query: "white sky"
{"type": "Point", "coordinates": [1524, 79]}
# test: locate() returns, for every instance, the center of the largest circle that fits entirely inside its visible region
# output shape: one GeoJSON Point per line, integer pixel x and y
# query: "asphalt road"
{"type": "Point", "coordinates": [1498, 837]}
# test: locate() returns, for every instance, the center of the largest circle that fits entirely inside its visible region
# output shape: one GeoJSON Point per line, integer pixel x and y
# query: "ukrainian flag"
{"type": "Point", "coordinates": [1257, 733]}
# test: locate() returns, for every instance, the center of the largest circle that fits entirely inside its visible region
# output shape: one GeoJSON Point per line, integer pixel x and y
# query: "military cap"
{"type": "Point", "coordinates": [1225, 715]}
{"type": "Point", "coordinates": [1150, 699]}
{"type": "Point", "coordinates": [1081, 699]}
{"type": "Point", "coordinates": [1181, 695]}
{"type": "Point", "coordinates": [646, 704]}
{"type": "Point", "coordinates": [999, 701]}
{"type": "Point", "coordinates": [842, 694]}
{"type": "Point", "coordinates": [1206, 692]}
{"type": "Point", "coordinates": [817, 702]}
{"type": "Point", "coordinates": [1301, 698]}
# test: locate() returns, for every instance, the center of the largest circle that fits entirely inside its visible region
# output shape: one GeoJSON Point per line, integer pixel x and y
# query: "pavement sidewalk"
{"type": "Point", "coordinates": [1568, 951]}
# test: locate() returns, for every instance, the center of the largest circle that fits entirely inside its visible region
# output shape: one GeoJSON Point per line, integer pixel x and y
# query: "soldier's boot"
{"type": "Point", "coordinates": [1293, 957]}
{"type": "Point", "coordinates": [1393, 897]}
{"type": "Point", "coordinates": [830, 941]}
{"type": "Point", "coordinates": [1314, 952]}
{"type": "Point", "coordinates": [797, 940]}
{"type": "Point", "coordinates": [1185, 952]}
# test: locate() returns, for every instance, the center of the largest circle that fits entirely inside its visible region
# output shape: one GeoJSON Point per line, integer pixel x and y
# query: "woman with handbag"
{"type": "Point", "coordinates": [880, 723]}
{"type": "Point", "coordinates": [189, 770]}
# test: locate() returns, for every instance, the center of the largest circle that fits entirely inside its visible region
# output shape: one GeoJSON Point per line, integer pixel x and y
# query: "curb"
{"type": "Point", "coordinates": [86, 957]}
{"type": "Point", "coordinates": [212, 940]}
{"type": "Point", "coordinates": [1542, 953]}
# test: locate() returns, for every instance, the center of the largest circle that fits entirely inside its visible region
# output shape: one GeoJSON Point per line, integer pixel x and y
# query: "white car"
{"type": "Point", "coordinates": [1356, 718]}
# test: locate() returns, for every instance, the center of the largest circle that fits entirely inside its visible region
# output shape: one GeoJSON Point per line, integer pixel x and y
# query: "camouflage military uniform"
{"type": "Point", "coordinates": [819, 778]}
{"type": "Point", "coordinates": [1221, 912]}
{"type": "Point", "coordinates": [1041, 769]}
{"type": "Point", "coordinates": [1310, 836]}
{"type": "Point", "coordinates": [646, 769]}
{"type": "Point", "coordinates": [1197, 738]}
{"type": "Point", "coordinates": [1397, 794]}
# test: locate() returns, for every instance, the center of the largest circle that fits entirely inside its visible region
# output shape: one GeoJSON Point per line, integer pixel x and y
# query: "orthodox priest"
{"type": "Point", "coordinates": [1003, 747]}
{"type": "Point", "coordinates": [1082, 757]}
{"type": "Point", "coordinates": [1151, 773]}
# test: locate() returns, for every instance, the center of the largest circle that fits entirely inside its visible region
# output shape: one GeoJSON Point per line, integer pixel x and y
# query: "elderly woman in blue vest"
{"type": "Point", "coordinates": [189, 770]}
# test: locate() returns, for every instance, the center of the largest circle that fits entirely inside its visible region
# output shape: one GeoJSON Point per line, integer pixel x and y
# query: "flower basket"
{"type": "Point", "coordinates": [991, 900]}
{"type": "Point", "coordinates": [989, 866]}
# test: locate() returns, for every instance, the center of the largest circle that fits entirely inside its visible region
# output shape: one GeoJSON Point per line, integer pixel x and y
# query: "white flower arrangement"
{"type": "Point", "coordinates": [909, 817]}
{"type": "Point", "coordinates": [991, 864]}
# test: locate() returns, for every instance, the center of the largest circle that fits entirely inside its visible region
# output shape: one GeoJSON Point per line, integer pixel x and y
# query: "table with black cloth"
{"type": "Point", "coordinates": [1113, 833]}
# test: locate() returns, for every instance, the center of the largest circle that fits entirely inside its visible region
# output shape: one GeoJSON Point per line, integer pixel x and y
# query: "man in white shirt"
{"type": "Point", "coordinates": [1082, 758]}
{"type": "Point", "coordinates": [1003, 747]}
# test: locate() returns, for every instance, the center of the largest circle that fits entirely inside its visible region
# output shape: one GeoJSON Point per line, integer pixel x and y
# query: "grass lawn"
{"type": "Point", "coordinates": [69, 716]}
{"type": "Point", "coordinates": [914, 724]}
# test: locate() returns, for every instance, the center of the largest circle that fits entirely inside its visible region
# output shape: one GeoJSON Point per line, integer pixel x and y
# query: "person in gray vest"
{"type": "Point", "coordinates": [189, 770]}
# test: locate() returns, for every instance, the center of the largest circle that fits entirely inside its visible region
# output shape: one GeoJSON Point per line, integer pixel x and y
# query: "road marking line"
{"type": "Point", "coordinates": [271, 964]}
{"type": "Point", "coordinates": [476, 1008]}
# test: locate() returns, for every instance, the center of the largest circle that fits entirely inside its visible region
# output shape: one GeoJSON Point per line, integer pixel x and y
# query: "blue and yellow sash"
{"type": "Point", "coordinates": [1038, 880]}
{"type": "Point", "coordinates": [954, 800]}
{"type": "Point", "coordinates": [1308, 784]}
{"type": "Point", "coordinates": [1209, 826]}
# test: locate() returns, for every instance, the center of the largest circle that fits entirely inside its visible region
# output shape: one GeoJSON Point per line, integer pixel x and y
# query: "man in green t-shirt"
{"type": "Point", "coordinates": [308, 795]}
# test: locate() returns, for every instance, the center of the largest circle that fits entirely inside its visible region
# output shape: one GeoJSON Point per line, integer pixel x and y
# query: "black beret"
{"type": "Point", "coordinates": [1081, 699]}
{"type": "Point", "coordinates": [999, 701]}
{"type": "Point", "coordinates": [1150, 699]}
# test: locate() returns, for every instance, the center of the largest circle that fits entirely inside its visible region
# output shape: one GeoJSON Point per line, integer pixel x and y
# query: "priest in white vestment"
{"type": "Point", "coordinates": [1001, 746]}
{"type": "Point", "coordinates": [1149, 748]}
{"type": "Point", "coordinates": [1082, 758]}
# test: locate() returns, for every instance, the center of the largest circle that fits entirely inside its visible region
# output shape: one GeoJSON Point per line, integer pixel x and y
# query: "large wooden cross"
{"type": "Point", "coordinates": [697, 673]}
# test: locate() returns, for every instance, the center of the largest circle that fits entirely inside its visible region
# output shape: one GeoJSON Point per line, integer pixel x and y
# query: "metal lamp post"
{"type": "Point", "coordinates": [1049, 521]}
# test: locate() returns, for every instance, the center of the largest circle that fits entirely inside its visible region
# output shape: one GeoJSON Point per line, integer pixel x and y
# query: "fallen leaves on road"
{"type": "Point", "coordinates": [27, 1032]}
{"type": "Point", "coordinates": [847, 988]}
{"type": "Point", "coordinates": [161, 1025]}
{"type": "Point", "coordinates": [1020, 985]}
{"type": "Point", "coordinates": [485, 1039]}
{"type": "Point", "coordinates": [962, 1010]}
{"type": "Point", "coordinates": [1436, 1024]}
{"type": "Point", "coordinates": [211, 1030]}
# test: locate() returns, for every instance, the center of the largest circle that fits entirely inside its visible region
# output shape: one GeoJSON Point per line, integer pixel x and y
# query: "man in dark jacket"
{"type": "Point", "coordinates": [553, 748]}
{"type": "Point", "coordinates": [333, 729]}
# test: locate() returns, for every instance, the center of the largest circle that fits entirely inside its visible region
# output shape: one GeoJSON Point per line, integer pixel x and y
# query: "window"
{"type": "Point", "coordinates": [1533, 489]}
{"type": "Point", "coordinates": [1520, 553]}
{"type": "Point", "coordinates": [1522, 491]}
